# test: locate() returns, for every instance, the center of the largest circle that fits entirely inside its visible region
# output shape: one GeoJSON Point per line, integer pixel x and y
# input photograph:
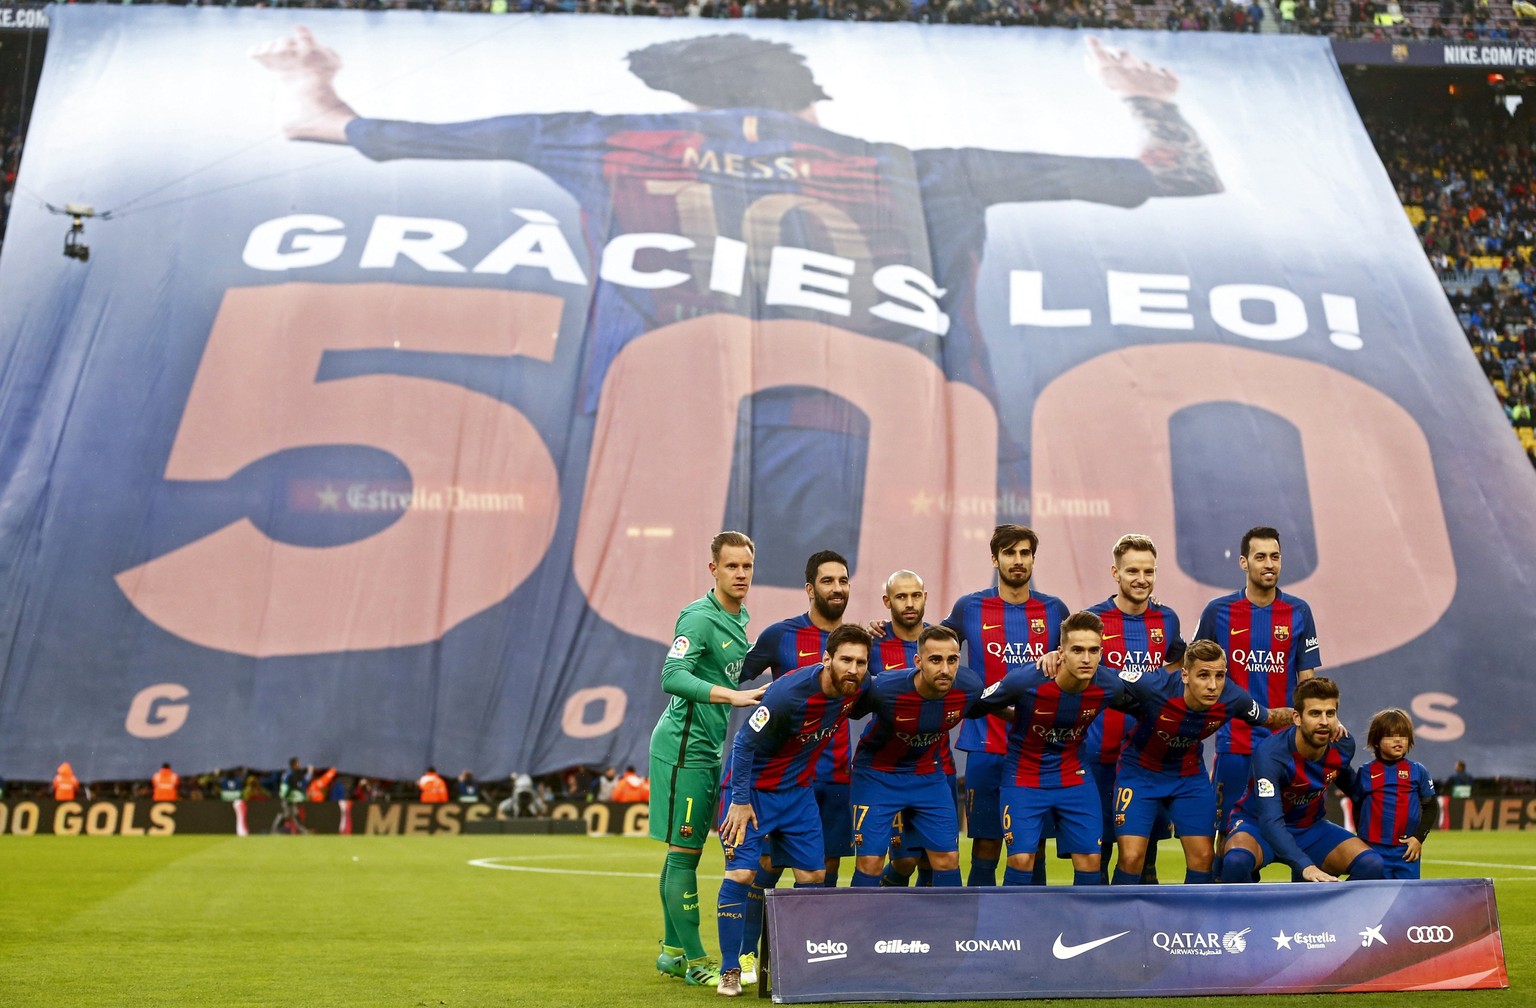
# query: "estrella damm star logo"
{"type": "Point", "coordinates": [1282, 633]}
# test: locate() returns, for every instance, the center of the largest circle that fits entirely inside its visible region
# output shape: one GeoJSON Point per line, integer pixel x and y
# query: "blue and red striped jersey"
{"type": "Point", "coordinates": [1267, 647]}
{"type": "Point", "coordinates": [1139, 643]}
{"type": "Point", "coordinates": [891, 652]}
{"type": "Point", "coordinates": [786, 733]}
{"type": "Point", "coordinates": [909, 733]}
{"type": "Point", "coordinates": [1286, 791]}
{"type": "Point", "coordinates": [1388, 797]}
{"type": "Point", "coordinates": [791, 644]}
{"type": "Point", "coordinates": [1167, 734]}
{"type": "Point", "coordinates": [1000, 637]}
{"type": "Point", "coordinates": [1045, 740]}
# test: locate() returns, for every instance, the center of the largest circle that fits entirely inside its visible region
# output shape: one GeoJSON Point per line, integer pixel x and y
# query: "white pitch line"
{"type": "Point", "coordinates": [491, 863]}
{"type": "Point", "coordinates": [1485, 864]}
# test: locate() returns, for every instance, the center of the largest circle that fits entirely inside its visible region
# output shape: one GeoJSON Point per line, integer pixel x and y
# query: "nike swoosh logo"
{"type": "Point", "coordinates": [905, 720]}
{"type": "Point", "coordinates": [806, 654]}
{"type": "Point", "coordinates": [1234, 633]}
{"type": "Point", "coordinates": [691, 895]}
{"type": "Point", "coordinates": [896, 666]}
{"type": "Point", "coordinates": [1061, 951]}
{"type": "Point", "coordinates": [726, 644]}
{"type": "Point", "coordinates": [1111, 636]}
{"type": "Point", "coordinates": [991, 626]}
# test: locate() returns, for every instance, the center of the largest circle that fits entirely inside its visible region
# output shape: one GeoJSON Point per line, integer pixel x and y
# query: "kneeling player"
{"type": "Point", "coordinates": [1043, 772]}
{"type": "Point", "coordinates": [773, 762]}
{"type": "Point", "coordinates": [1395, 806]}
{"type": "Point", "coordinates": [1281, 815]}
{"type": "Point", "coordinates": [1162, 766]}
{"type": "Point", "coordinates": [903, 762]}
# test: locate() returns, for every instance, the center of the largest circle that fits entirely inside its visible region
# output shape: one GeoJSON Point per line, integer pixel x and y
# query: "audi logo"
{"type": "Point", "coordinates": [1438, 934]}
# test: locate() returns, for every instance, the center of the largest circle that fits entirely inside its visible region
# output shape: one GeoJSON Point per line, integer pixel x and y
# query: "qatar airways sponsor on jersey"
{"type": "Point", "coordinates": [1016, 652]}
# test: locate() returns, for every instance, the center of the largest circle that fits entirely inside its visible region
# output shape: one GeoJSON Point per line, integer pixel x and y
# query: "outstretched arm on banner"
{"type": "Point", "coordinates": [307, 72]}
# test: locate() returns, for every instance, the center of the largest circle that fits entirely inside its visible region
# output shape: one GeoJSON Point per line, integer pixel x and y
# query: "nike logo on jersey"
{"type": "Point", "coordinates": [896, 666]}
{"type": "Point", "coordinates": [807, 654]}
{"type": "Point", "coordinates": [1111, 636]}
{"type": "Point", "coordinates": [990, 626]}
{"type": "Point", "coordinates": [1061, 951]}
{"type": "Point", "coordinates": [726, 644]}
{"type": "Point", "coordinates": [1235, 632]}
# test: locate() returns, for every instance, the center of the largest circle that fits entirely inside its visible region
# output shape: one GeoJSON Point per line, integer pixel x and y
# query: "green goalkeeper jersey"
{"type": "Point", "coordinates": [708, 649]}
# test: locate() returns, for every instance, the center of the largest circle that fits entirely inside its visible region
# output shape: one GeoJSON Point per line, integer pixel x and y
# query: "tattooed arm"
{"type": "Point", "coordinates": [1174, 153]}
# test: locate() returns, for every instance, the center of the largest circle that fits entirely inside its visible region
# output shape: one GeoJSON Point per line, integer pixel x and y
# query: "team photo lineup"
{"type": "Point", "coordinates": [1086, 727]}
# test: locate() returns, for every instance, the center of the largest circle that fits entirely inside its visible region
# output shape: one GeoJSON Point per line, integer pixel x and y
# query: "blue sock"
{"type": "Point", "coordinates": [1018, 876]}
{"type": "Point", "coordinates": [1124, 878]}
{"type": "Point", "coordinates": [730, 918]}
{"type": "Point", "coordinates": [946, 877]}
{"type": "Point", "coordinates": [1367, 865]}
{"type": "Point", "coordinates": [1149, 866]}
{"type": "Point", "coordinates": [1039, 872]}
{"type": "Point", "coordinates": [1237, 865]}
{"type": "Point", "coordinates": [925, 876]}
{"type": "Point", "coordinates": [1198, 877]}
{"type": "Point", "coordinates": [1090, 877]}
{"type": "Point", "coordinates": [983, 873]}
{"type": "Point", "coordinates": [889, 878]}
{"type": "Point", "coordinates": [752, 931]}
{"type": "Point", "coordinates": [862, 880]}
{"type": "Point", "coordinates": [829, 880]}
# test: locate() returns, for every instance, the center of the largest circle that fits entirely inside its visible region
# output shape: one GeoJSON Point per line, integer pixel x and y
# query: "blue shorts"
{"type": "Point", "coordinates": [922, 803]}
{"type": "Point", "coordinates": [1316, 841]}
{"type": "Point", "coordinates": [1392, 858]}
{"type": "Point", "coordinates": [836, 804]}
{"type": "Point", "coordinates": [1230, 774]}
{"type": "Point", "coordinates": [912, 843]}
{"type": "Point", "coordinates": [1148, 798]}
{"type": "Point", "coordinates": [983, 795]}
{"type": "Point", "coordinates": [1027, 812]}
{"type": "Point", "coordinates": [788, 828]}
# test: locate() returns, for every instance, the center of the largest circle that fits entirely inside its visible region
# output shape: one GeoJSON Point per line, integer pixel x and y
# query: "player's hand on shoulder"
{"type": "Point", "coordinates": [876, 627]}
{"type": "Point", "coordinates": [747, 697]}
{"type": "Point", "coordinates": [1049, 664]}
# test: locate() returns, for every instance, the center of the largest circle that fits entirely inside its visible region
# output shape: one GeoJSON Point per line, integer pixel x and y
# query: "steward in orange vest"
{"type": "Point", "coordinates": [433, 788]}
{"type": "Point", "coordinates": [65, 784]}
{"type": "Point", "coordinates": [320, 786]}
{"type": "Point", "coordinates": [164, 783]}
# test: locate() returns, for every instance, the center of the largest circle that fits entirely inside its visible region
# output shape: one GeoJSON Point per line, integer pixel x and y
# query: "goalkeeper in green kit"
{"type": "Point", "coordinates": [699, 674]}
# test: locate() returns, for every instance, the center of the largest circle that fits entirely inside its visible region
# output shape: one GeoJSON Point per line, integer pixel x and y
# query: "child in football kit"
{"type": "Point", "coordinates": [1395, 804]}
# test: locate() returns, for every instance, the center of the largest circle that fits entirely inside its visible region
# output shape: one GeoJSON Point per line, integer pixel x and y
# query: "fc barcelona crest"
{"type": "Point", "coordinates": [1282, 633]}
{"type": "Point", "coordinates": [686, 830]}
{"type": "Point", "coordinates": [1156, 633]}
{"type": "Point", "coordinates": [1037, 626]}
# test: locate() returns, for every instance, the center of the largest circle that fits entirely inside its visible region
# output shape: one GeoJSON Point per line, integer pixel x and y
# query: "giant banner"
{"type": "Point", "coordinates": [382, 413]}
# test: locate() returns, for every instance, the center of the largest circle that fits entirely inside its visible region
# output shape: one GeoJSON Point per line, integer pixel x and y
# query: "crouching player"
{"type": "Point", "coordinates": [1395, 806]}
{"type": "Point", "coordinates": [1280, 817]}
{"type": "Point", "coordinates": [1162, 767]}
{"type": "Point", "coordinates": [773, 764]}
{"type": "Point", "coordinates": [903, 764]}
{"type": "Point", "coordinates": [1043, 771]}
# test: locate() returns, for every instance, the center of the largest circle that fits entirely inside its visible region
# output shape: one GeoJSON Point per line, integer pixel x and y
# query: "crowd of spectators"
{"type": "Point", "coordinates": [579, 784]}
{"type": "Point", "coordinates": [1383, 20]}
{"type": "Point", "coordinates": [1468, 182]}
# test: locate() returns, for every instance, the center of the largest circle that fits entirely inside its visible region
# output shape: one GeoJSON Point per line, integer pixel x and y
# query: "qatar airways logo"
{"type": "Point", "coordinates": [1015, 652]}
{"type": "Point", "coordinates": [1176, 741]}
{"type": "Point", "coordinates": [1259, 660]}
{"type": "Point", "coordinates": [1298, 799]}
{"type": "Point", "coordinates": [921, 740]}
{"type": "Point", "coordinates": [1059, 736]}
{"type": "Point", "coordinates": [817, 735]}
{"type": "Point", "coordinates": [1133, 661]}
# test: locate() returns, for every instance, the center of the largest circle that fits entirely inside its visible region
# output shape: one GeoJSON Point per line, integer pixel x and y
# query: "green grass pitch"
{"type": "Point", "coordinates": [210, 922]}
